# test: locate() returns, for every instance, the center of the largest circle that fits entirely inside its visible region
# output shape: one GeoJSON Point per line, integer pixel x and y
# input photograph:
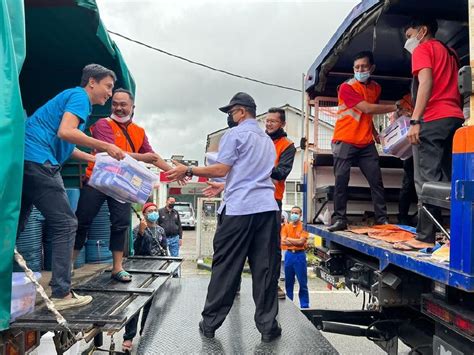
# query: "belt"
{"type": "Point", "coordinates": [295, 251]}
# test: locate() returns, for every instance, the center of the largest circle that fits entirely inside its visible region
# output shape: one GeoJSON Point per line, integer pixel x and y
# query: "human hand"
{"type": "Point", "coordinates": [178, 172]}
{"type": "Point", "coordinates": [414, 134]}
{"type": "Point", "coordinates": [180, 242]}
{"type": "Point", "coordinates": [214, 188]}
{"type": "Point", "coordinates": [142, 227]}
{"type": "Point", "coordinates": [115, 152]}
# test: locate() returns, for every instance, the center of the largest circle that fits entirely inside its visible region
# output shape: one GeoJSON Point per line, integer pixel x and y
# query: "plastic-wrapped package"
{"type": "Point", "coordinates": [126, 180]}
{"type": "Point", "coordinates": [23, 295]}
{"type": "Point", "coordinates": [394, 138]}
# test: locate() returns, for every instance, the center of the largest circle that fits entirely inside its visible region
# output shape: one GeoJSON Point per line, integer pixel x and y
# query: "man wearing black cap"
{"type": "Point", "coordinates": [248, 223]}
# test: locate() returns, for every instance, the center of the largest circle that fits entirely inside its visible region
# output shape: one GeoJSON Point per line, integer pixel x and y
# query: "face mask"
{"type": "Point", "coordinates": [152, 216]}
{"type": "Point", "coordinates": [171, 205]}
{"type": "Point", "coordinates": [362, 76]}
{"type": "Point", "coordinates": [230, 121]}
{"type": "Point", "coordinates": [120, 119]}
{"type": "Point", "coordinates": [294, 217]}
{"type": "Point", "coordinates": [412, 43]}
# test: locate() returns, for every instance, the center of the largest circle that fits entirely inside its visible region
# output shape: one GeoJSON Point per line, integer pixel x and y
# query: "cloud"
{"type": "Point", "coordinates": [177, 102]}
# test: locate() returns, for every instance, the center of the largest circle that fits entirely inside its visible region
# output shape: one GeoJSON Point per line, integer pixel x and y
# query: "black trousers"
{"type": "Point", "coordinates": [238, 237]}
{"type": "Point", "coordinates": [407, 192]}
{"type": "Point", "coordinates": [132, 325]}
{"type": "Point", "coordinates": [345, 156]}
{"type": "Point", "coordinates": [43, 187]}
{"type": "Point", "coordinates": [433, 158]}
{"type": "Point", "coordinates": [90, 202]}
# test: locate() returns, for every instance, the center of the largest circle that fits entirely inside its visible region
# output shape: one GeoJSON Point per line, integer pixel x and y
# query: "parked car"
{"type": "Point", "coordinates": [186, 214]}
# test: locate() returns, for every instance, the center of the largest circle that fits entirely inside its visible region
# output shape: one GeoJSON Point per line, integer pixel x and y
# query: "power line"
{"type": "Point", "coordinates": [202, 64]}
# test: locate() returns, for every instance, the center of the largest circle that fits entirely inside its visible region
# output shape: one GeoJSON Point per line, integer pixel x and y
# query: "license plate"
{"type": "Point", "coordinates": [440, 347]}
{"type": "Point", "coordinates": [323, 275]}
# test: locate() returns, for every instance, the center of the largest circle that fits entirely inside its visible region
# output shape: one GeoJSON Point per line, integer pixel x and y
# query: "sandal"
{"type": "Point", "coordinates": [122, 276]}
{"type": "Point", "coordinates": [127, 346]}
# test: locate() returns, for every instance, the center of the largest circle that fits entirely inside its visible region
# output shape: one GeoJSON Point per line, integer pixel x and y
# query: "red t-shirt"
{"type": "Point", "coordinates": [349, 95]}
{"type": "Point", "coordinates": [445, 99]}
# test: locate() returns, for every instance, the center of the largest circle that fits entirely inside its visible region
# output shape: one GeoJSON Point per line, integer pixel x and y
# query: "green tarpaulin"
{"type": "Point", "coordinates": [53, 40]}
{"type": "Point", "coordinates": [12, 49]}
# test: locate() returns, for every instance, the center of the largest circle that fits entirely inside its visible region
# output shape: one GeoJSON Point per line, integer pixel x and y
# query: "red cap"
{"type": "Point", "coordinates": [147, 205]}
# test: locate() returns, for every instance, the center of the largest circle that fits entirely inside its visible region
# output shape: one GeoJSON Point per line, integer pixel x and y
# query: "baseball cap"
{"type": "Point", "coordinates": [241, 99]}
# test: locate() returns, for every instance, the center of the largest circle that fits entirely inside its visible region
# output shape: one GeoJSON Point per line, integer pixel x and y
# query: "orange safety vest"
{"type": "Point", "coordinates": [352, 125]}
{"type": "Point", "coordinates": [280, 146]}
{"type": "Point", "coordinates": [136, 133]}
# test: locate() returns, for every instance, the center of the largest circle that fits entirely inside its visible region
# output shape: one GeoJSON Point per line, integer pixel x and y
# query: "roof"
{"type": "Point", "coordinates": [378, 25]}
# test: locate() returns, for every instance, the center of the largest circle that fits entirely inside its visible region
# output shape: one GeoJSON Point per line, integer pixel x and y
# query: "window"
{"type": "Point", "coordinates": [292, 197]}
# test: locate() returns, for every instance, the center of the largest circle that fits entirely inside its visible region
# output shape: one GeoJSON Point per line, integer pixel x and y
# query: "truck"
{"type": "Point", "coordinates": [424, 301]}
{"type": "Point", "coordinates": [44, 45]}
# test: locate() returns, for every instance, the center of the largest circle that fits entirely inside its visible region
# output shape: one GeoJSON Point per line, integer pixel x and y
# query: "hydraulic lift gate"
{"type": "Point", "coordinates": [172, 326]}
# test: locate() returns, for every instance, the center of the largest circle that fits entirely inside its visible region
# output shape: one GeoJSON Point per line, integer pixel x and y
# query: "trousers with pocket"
{"type": "Point", "coordinates": [255, 237]}
{"type": "Point", "coordinates": [432, 162]}
{"type": "Point", "coordinates": [43, 187]}
{"type": "Point", "coordinates": [345, 156]}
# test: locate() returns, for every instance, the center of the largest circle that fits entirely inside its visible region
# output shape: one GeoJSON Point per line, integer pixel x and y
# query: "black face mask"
{"type": "Point", "coordinates": [277, 134]}
{"type": "Point", "coordinates": [171, 206]}
{"type": "Point", "coordinates": [230, 121]}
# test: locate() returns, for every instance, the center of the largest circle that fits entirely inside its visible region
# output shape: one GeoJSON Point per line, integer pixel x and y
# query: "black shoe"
{"type": "Point", "coordinates": [207, 333]}
{"type": "Point", "coordinates": [382, 222]}
{"type": "Point", "coordinates": [267, 338]}
{"type": "Point", "coordinates": [338, 226]}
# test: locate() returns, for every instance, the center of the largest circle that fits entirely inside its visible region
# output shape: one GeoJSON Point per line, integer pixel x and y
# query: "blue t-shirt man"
{"type": "Point", "coordinates": [42, 143]}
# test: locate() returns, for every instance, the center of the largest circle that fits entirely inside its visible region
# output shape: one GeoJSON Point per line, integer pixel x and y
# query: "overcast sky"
{"type": "Point", "coordinates": [176, 102]}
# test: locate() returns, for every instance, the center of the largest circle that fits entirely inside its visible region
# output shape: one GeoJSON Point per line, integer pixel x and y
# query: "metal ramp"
{"type": "Point", "coordinates": [113, 302]}
{"type": "Point", "coordinates": [172, 325]}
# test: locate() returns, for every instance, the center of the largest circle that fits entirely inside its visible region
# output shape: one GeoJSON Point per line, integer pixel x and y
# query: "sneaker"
{"type": "Point", "coordinates": [281, 293]}
{"type": "Point", "coordinates": [75, 301]}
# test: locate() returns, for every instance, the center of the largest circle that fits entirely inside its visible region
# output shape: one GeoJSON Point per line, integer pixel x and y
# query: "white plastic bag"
{"type": "Point", "coordinates": [126, 180]}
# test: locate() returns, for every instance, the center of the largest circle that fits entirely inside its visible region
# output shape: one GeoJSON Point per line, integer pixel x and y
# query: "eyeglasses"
{"type": "Point", "coordinates": [231, 112]}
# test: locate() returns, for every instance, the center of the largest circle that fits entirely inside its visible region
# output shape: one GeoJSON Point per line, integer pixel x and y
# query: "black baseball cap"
{"type": "Point", "coordinates": [240, 99]}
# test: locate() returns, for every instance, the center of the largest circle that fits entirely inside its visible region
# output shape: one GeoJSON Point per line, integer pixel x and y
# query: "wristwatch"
{"type": "Point", "coordinates": [189, 171]}
{"type": "Point", "coordinates": [414, 122]}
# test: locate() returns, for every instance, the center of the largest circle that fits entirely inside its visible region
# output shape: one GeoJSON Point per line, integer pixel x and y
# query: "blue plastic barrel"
{"type": "Point", "coordinates": [97, 252]}
{"type": "Point", "coordinates": [81, 259]}
{"type": "Point", "coordinates": [73, 196]}
{"type": "Point", "coordinates": [29, 242]}
{"type": "Point", "coordinates": [100, 227]}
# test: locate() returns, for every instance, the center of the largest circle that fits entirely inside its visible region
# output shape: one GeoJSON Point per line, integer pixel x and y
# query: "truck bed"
{"type": "Point", "coordinates": [113, 302]}
{"type": "Point", "coordinates": [172, 325]}
{"type": "Point", "coordinates": [419, 263]}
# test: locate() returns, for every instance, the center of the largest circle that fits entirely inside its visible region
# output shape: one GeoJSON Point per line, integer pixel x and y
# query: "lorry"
{"type": "Point", "coordinates": [424, 301]}
{"type": "Point", "coordinates": [44, 45]}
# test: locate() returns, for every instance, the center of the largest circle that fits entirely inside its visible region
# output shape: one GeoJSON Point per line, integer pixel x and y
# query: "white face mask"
{"type": "Point", "coordinates": [412, 43]}
{"type": "Point", "coordinates": [120, 119]}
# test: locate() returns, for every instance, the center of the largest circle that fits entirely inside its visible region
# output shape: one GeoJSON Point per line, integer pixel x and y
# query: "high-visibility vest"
{"type": "Point", "coordinates": [135, 132]}
{"type": "Point", "coordinates": [352, 125]}
{"type": "Point", "coordinates": [280, 146]}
